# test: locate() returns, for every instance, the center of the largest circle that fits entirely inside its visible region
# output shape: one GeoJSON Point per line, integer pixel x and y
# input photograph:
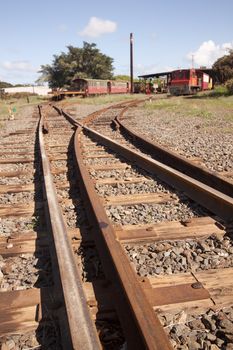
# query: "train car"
{"type": "Point", "coordinates": [119, 87]}
{"type": "Point", "coordinates": [139, 87]}
{"type": "Point", "coordinates": [188, 81]}
{"type": "Point", "coordinates": [88, 87]}
{"type": "Point", "coordinates": [204, 81]}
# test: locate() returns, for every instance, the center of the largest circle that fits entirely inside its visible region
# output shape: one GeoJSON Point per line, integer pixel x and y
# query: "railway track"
{"type": "Point", "coordinates": [26, 298]}
{"type": "Point", "coordinates": [152, 245]}
{"type": "Point", "coordinates": [214, 154]}
{"type": "Point", "coordinates": [139, 142]}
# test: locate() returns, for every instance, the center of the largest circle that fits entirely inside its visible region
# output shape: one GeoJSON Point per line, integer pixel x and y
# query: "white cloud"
{"type": "Point", "coordinates": [208, 53]}
{"type": "Point", "coordinates": [22, 66]}
{"type": "Point", "coordinates": [96, 27]}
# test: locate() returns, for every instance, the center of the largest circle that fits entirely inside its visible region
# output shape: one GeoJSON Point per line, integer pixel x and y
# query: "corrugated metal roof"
{"type": "Point", "coordinates": [154, 75]}
{"type": "Point", "coordinates": [160, 74]}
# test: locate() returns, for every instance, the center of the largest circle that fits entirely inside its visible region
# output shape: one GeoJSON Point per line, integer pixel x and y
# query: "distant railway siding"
{"type": "Point", "coordinates": [199, 129]}
{"type": "Point", "coordinates": [171, 241]}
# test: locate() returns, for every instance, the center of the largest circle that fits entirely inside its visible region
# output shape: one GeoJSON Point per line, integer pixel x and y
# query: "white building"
{"type": "Point", "coordinates": [39, 90]}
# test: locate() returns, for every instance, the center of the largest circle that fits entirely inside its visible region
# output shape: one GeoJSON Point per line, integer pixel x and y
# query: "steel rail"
{"type": "Point", "coordinates": [124, 104]}
{"type": "Point", "coordinates": [82, 329]}
{"type": "Point", "coordinates": [141, 325]}
{"type": "Point", "coordinates": [217, 202]}
{"type": "Point", "coordinates": [210, 198]}
{"type": "Point", "coordinates": [141, 317]}
{"type": "Point", "coordinates": [176, 161]}
{"type": "Point", "coordinates": [92, 116]}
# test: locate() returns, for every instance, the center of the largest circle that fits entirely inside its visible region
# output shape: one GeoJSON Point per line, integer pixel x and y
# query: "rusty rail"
{"type": "Point", "coordinates": [141, 332]}
{"type": "Point", "coordinates": [94, 115]}
{"type": "Point", "coordinates": [82, 329]}
{"type": "Point", "coordinates": [214, 200]}
{"type": "Point", "coordinates": [132, 304]}
{"type": "Point", "coordinates": [142, 326]}
{"type": "Point", "coordinates": [176, 161]}
{"type": "Point", "coordinates": [217, 202]}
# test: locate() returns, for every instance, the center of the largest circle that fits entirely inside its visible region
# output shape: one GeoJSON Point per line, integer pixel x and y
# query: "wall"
{"type": "Point", "coordinates": [40, 90]}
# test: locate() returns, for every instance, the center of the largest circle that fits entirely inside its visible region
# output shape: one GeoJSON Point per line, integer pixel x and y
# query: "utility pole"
{"type": "Point", "coordinates": [131, 63]}
{"type": "Point", "coordinates": [192, 61]}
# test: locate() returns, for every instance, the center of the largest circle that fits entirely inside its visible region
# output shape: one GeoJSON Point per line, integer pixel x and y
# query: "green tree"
{"type": "Point", "coordinates": [85, 62]}
{"type": "Point", "coordinates": [4, 84]}
{"type": "Point", "coordinates": [229, 86]}
{"type": "Point", "coordinates": [122, 77]}
{"type": "Point", "coordinates": [223, 67]}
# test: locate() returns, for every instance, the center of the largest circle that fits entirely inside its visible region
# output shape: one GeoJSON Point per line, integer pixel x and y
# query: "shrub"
{"type": "Point", "coordinates": [229, 86]}
{"type": "Point", "coordinates": [218, 91]}
{"type": "Point", "coordinates": [22, 94]}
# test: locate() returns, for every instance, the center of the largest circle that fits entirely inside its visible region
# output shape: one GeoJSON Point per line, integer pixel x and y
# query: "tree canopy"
{"type": "Point", "coordinates": [122, 77]}
{"type": "Point", "coordinates": [223, 67]}
{"type": "Point", "coordinates": [85, 62]}
{"type": "Point", "coordinates": [4, 84]}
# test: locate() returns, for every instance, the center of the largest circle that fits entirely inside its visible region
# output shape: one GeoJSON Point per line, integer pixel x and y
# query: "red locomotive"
{"type": "Point", "coordinates": [182, 81]}
{"type": "Point", "coordinates": [88, 87]}
{"type": "Point", "coordinates": [188, 81]}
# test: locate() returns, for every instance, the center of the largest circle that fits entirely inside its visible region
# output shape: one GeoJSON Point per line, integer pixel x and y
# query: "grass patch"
{"type": "Point", "coordinates": [102, 99]}
{"type": "Point", "coordinates": [203, 106]}
{"type": "Point", "coordinates": [3, 110]}
{"type": "Point", "coordinates": [201, 113]}
{"type": "Point", "coordinates": [218, 91]}
{"type": "Point", "coordinates": [18, 103]}
{"type": "Point", "coordinates": [162, 104]}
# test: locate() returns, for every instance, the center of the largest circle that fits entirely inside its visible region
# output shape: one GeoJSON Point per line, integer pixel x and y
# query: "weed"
{"type": "Point", "coordinates": [161, 104]}
{"type": "Point", "coordinates": [100, 100]}
{"type": "Point", "coordinates": [200, 113]}
{"type": "Point", "coordinates": [18, 102]}
{"type": "Point", "coordinates": [33, 223]}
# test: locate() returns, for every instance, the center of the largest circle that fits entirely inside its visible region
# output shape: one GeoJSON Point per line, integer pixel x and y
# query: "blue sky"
{"type": "Point", "coordinates": [166, 33]}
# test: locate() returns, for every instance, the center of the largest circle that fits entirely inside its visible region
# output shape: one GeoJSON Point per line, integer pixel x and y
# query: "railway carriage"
{"type": "Point", "coordinates": [119, 87]}
{"type": "Point", "coordinates": [182, 81]}
{"type": "Point", "coordinates": [88, 87]}
{"type": "Point", "coordinates": [188, 81]}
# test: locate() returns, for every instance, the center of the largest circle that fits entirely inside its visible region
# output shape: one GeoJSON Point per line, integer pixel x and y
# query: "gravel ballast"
{"type": "Point", "coordinates": [24, 271]}
{"type": "Point", "coordinates": [210, 331]}
{"type": "Point", "coordinates": [168, 257]}
{"type": "Point", "coordinates": [199, 136]}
